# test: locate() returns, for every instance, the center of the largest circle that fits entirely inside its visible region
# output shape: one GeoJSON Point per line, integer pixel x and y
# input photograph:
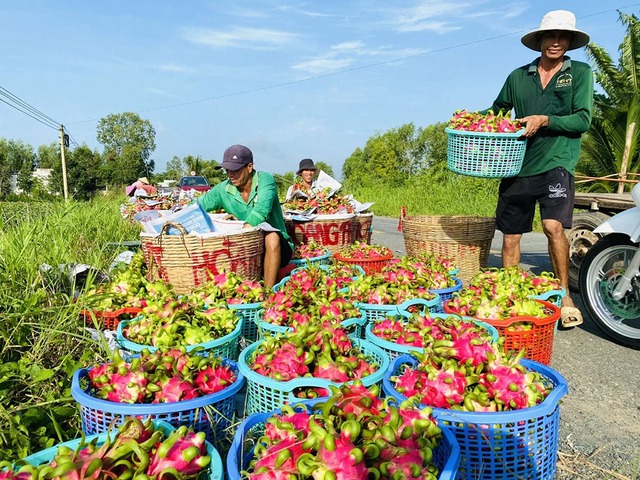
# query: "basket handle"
{"type": "Point", "coordinates": [181, 229]}
{"type": "Point", "coordinates": [168, 225]}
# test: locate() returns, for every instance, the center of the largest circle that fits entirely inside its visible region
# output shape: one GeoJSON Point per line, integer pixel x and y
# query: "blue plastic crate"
{"type": "Point", "coordinates": [250, 313]}
{"type": "Point", "coordinates": [447, 293]}
{"type": "Point", "coordinates": [212, 414]}
{"type": "Point", "coordinates": [226, 346]}
{"type": "Point", "coordinates": [485, 155]}
{"type": "Point", "coordinates": [265, 394]}
{"type": "Point", "coordinates": [446, 455]}
{"type": "Point", "coordinates": [394, 350]}
{"type": "Point", "coordinates": [509, 445]}
{"type": "Point", "coordinates": [216, 466]}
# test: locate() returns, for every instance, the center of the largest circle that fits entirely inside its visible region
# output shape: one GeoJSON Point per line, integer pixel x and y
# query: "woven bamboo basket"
{"type": "Point", "coordinates": [363, 227]}
{"type": "Point", "coordinates": [186, 261]}
{"type": "Point", "coordinates": [464, 239]}
{"type": "Point", "coordinates": [331, 231]}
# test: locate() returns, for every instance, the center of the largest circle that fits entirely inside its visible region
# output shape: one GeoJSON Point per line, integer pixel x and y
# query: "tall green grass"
{"type": "Point", "coordinates": [41, 339]}
{"type": "Point", "coordinates": [425, 195]}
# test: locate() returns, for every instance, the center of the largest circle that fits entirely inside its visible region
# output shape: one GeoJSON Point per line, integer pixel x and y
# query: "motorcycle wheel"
{"type": "Point", "coordinates": [600, 271]}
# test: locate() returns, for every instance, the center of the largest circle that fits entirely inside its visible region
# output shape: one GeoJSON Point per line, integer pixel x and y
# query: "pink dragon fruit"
{"type": "Point", "coordinates": [128, 388]}
{"type": "Point", "coordinates": [182, 454]}
{"type": "Point", "coordinates": [337, 458]}
{"type": "Point", "coordinates": [284, 363]}
{"type": "Point", "coordinates": [175, 389]}
{"type": "Point", "coordinates": [214, 378]}
{"type": "Point", "coordinates": [280, 462]}
{"type": "Point", "coordinates": [444, 388]}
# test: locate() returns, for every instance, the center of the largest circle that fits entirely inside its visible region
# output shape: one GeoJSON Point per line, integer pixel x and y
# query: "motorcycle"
{"type": "Point", "coordinates": [610, 276]}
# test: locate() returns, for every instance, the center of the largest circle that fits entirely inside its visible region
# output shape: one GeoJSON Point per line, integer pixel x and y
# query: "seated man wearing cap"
{"type": "Point", "coordinates": [252, 197]}
{"type": "Point", "coordinates": [553, 97]}
{"type": "Point", "coordinates": [305, 183]}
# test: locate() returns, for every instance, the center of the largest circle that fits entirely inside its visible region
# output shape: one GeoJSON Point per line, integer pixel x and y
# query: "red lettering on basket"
{"type": "Point", "coordinates": [326, 233]}
{"type": "Point", "coordinates": [241, 261]}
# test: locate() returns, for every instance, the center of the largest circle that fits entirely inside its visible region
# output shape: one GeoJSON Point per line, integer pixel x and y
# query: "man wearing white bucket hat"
{"type": "Point", "coordinates": [553, 97]}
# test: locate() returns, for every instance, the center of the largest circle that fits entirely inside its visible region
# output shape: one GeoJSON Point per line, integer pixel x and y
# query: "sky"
{"type": "Point", "coordinates": [290, 79]}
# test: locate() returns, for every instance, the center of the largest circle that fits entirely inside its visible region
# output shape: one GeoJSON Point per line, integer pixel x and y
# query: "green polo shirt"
{"type": "Point", "coordinates": [262, 206]}
{"type": "Point", "coordinates": [567, 101]}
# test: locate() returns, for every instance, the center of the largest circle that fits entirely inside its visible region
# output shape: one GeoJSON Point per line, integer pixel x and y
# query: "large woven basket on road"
{"type": "Point", "coordinates": [331, 231]}
{"type": "Point", "coordinates": [186, 260]}
{"type": "Point", "coordinates": [464, 239]}
{"type": "Point", "coordinates": [363, 227]}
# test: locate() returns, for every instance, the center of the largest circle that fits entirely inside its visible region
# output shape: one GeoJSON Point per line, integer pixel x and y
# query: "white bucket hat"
{"type": "Point", "coordinates": [556, 20]}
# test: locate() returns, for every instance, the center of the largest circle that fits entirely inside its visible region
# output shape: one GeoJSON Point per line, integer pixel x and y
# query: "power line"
{"type": "Point", "coordinates": [15, 102]}
{"type": "Point", "coordinates": [349, 70]}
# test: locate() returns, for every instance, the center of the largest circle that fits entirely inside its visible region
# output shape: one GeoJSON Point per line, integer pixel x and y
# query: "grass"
{"type": "Point", "coordinates": [41, 340]}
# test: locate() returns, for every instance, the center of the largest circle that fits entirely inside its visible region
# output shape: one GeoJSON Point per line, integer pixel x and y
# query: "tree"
{"type": "Point", "coordinates": [48, 155]}
{"type": "Point", "coordinates": [393, 157]}
{"type": "Point", "coordinates": [83, 172]}
{"type": "Point", "coordinates": [176, 168]}
{"type": "Point", "coordinates": [128, 143]}
{"type": "Point", "coordinates": [325, 167]}
{"type": "Point", "coordinates": [19, 159]}
{"type": "Point", "coordinates": [614, 110]}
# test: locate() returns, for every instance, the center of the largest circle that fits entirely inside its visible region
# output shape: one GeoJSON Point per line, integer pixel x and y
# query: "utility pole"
{"type": "Point", "coordinates": [64, 164]}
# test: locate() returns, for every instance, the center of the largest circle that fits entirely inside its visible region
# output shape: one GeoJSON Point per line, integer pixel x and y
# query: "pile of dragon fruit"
{"type": "Point", "coordinates": [425, 272]}
{"type": "Point", "coordinates": [231, 288]}
{"type": "Point", "coordinates": [419, 330]}
{"type": "Point", "coordinates": [389, 287]}
{"type": "Point", "coordinates": [353, 435]}
{"type": "Point", "coordinates": [310, 294]}
{"type": "Point", "coordinates": [127, 287]}
{"type": "Point", "coordinates": [499, 294]}
{"type": "Point", "coordinates": [321, 350]}
{"type": "Point", "coordinates": [363, 251]}
{"type": "Point", "coordinates": [164, 376]}
{"type": "Point", "coordinates": [311, 249]}
{"type": "Point", "coordinates": [137, 450]}
{"type": "Point", "coordinates": [473, 376]}
{"type": "Point", "coordinates": [489, 122]}
{"type": "Point", "coordinates": [322, 203]}
{"type": "Point", "coordinates": [180, 322]}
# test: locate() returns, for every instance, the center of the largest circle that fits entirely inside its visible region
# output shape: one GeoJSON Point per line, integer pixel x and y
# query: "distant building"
{"type": "Point", "coordinates": [42, 174]}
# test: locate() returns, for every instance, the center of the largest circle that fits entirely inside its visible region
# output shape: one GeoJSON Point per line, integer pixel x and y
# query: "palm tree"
{"type": "Point", "coordinates": [615, 109]}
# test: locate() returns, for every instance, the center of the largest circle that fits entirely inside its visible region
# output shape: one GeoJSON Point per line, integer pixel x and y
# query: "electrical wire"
{"type": "Point", "coordinates": [349, 70]}
{"type": "Point", "coordinates": [27, 109]}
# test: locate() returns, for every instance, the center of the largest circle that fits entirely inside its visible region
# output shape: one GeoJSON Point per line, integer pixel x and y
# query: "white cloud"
{"type": "Point", "coordinates": [240, 37]}
{"type": "Point", "coordinates": [175, 68]}
{"type": "Point", "coordinates": [323, 64]}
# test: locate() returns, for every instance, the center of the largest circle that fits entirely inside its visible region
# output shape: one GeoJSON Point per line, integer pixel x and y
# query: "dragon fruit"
{"type": "Point", "coordinates": [183, 453]}
{"type": "Point", "coordinates": [337, 457]}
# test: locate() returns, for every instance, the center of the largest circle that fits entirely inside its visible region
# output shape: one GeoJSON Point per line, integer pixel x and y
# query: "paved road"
{"type": "Point", "coordinates": [600, 418]}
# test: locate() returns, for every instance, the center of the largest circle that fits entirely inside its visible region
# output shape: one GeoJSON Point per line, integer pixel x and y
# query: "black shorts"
{"type": "Point", "coordinates": [553, 190]}
{"type": "Point", "coordinates": [285, 251]}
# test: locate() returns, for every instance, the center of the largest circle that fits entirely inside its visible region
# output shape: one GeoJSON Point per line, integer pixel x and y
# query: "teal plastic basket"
{"type": "Point", "coordinates": [226, 346]}
{"type": "Point", "coordinates": [485, 155]}
{"type": "Point", "coordinates": [446, 456]}
{"type": "Point", "coordinates": [510, 445]}
{"type": "Point", "coordinates": [212, 414]}
{"type": "Point", "coordinates": [250, 313]}
{"type": "Point", "coordinates": [216, 467]}
{"type": "Point", "coordinates": [319, 260]}
{"type": "Point", "coordinates": [373, 312]}
{"type": "Point", "coordinates": [265, 394]}
{"type": "Point", "coordinates": [355, 327]}
{"type": "Point", "coordinates": [394, 350]}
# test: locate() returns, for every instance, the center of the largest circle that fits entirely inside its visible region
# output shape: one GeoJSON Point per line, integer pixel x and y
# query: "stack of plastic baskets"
{"type": "Point", "coordinates": [446, 455]}
{"type": "Point", "coordinates": [265, 394]}
{"type": "Point", "coordinates": [511, 445]}
{"type": "Point", "coordinates": [394, 350]}
{"type": "Point", "coordinates": [250, 313]}
{"type": "Point", "coordinates": [226, 346]}
{"type": "Point", "coordinates": [216, 466]}
{"type": "Point", "coordinates": [212, 414]}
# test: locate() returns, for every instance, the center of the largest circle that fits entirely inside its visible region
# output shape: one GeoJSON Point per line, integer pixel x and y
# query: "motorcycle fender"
{"type": "Point", "coordinates": [627, 222]}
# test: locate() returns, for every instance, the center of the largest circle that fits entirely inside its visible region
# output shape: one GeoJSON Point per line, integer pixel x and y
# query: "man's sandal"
{"type": "Point", "coordinates": [570, 317]}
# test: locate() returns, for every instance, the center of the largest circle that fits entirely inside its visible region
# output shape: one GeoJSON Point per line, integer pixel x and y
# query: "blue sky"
{"type": "Point", "coordinates": [289, 79]}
